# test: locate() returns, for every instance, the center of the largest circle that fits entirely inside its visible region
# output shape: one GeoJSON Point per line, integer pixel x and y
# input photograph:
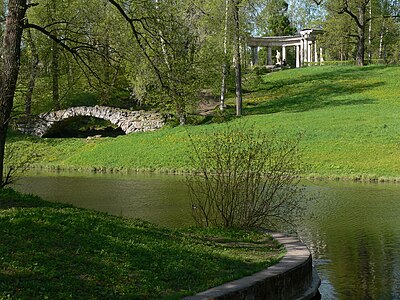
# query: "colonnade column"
{"type": "Point", "coordinates": [298, 51]}
{"type": "Point", "coordinates": [283, 54]}
{"type": "Point", "coordinates": [301, 53]}
{"type": "Point", "coordinates": [315, 53]}
{"type": "Point", "coordinates": [321, 58]}
{"type": "Point", "coordinates": [269, 56]}
{"type": "Point", "coordinates": [254, 56]}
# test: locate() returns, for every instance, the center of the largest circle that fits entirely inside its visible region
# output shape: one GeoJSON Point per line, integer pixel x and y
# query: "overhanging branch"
{"type": "Point", "coordinates": [73, 50]}
{"type": "Point", "coordinates": [137, 35]}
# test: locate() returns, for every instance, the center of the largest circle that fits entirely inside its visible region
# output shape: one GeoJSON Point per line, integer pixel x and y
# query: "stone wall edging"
{"type": "Point", "coordinates": [292, 278]}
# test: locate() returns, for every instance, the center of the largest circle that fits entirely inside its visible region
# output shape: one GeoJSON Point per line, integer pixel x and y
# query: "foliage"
{"type": "Point", "coordinates": [277, 20]}
{"type": "Point", "coordinates": [337, 43]}
{"type": "Point", "coordinates": [57, 251]}
{"type": "Point", "coordinates": [146, 50]}
{"type": "Point", "coordinates": [100, 75]}
{"type": "Point", "coordinates": [245, 179]}
{"type": "Point", "coordinates": [305, 14]}
{"type": "Point", "coordinates": [163, 62]}
{"type": "Point", "coordinates": [272, 19]}
{"type": "Point", "coordinates": [353, 27]}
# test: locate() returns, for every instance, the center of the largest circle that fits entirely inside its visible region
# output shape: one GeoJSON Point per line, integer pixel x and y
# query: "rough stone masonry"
{"type": "Point", "coordinates": [129, 121]}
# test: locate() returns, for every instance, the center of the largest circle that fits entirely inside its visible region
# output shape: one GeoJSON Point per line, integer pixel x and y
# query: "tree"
{"type": "Point", "coordinates": [55, 61]}
{"type": "Point", "coordinates": [224, 63]}
{"type": "Point", "coordinates": [229, 34]}
{"type": "Point", "coordinates": [245, 178]}
{"type": "Point", "coordinates": [22, 162]}
{"type": "Point", "coordinates": [89, 29]}
{"type": "Point", "coordinates": [9, 68]}
{"type": "Point", "coordinates": [33, 72]}
{"type": "Point", "coordinates": [163, 42]}
{"type": "Point", "coordinates": [275, 14]}
{"type": "Point", "coordinates": [170, 57]}
{"type": "Point", "coordinates": [364, 20]}
{"type": "Point", "coordinates": [357, 11]}
{"type": "Point", "coordinates": [385, 31]}
{"type": "Point", "coordinates": [305, 14]}
{"type": "Point", "coordinates": [337, 39]}
{"type": "Point", "coordinates": [162, 52]}
{"type": "Point", "coordinates": [11, 53]}
{"type": "Point", "coordinates": [235, 4]}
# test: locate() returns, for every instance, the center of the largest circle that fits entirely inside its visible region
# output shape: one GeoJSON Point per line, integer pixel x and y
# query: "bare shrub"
{"type": "Point", "coordinates": [18, 162]}
{"type": "Point", "coordinates": [245, 178]}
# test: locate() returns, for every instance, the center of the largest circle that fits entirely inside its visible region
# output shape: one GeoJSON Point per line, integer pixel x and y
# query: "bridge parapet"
{"type": "Point", "coordinates": [128, 121]}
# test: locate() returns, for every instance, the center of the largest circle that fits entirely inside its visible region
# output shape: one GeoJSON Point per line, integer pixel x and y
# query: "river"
{"type": "Point", "coordinates": [352, 229]}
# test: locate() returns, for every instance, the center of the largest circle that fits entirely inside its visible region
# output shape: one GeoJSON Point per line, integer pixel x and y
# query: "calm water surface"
{"type": "Point", "coordinates": [353, 230]}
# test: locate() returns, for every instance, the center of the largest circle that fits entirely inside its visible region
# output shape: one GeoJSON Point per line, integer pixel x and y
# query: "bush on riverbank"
{"type": "Point", "coordinates": [57, 251]}
{"type": "Point", "coordinates": [349, 117]}
{"type": "Point", "coordinates": [246, 179]}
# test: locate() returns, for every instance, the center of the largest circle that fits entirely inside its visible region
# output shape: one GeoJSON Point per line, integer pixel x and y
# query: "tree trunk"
{"type": "Point", "coordinates": [360, 47]}
{"type": "Point", "coordinates": [237, 60]}
{"type": "Point", "coordinates": [360, 18]}
{"type": "Point", "coordinates": [108, 84]}
{"type": "Point", "coordinates": [224, 65]}
{"type": "Point", "coordinates": [370, 34]}
{"type": "Point", "coordinates": [55, 71]}
{"type": "Point", "coordinates": [362, 11]}
{"type": "Point", "coordinates": [163, 42]}
{"type": "Point", "coordinates": [223, 86]}
{"type": "Point", "coordinates": [33, 75]}
{"type": "Point", "coordinates": [10, 62]}
{"type": "Point", "coordinates": [381, 39]}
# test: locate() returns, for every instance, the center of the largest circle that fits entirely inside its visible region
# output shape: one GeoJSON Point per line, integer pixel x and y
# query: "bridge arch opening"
{"type": "Point", "coordinates": [83, 127]}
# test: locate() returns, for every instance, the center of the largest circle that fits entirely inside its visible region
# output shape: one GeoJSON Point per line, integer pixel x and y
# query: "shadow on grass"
{"type": "Point", "coordinates": [330, 88]}
{"type": "Point", "coordinates": [11, 199]}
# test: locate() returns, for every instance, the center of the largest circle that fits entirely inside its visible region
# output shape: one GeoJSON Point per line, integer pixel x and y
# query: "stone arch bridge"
{"type": "Point", "coordinates": [128, 121]}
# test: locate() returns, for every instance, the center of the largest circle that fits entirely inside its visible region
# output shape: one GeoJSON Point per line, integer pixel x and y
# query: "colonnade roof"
{"type": "Point", "coordinates": [291, 40]}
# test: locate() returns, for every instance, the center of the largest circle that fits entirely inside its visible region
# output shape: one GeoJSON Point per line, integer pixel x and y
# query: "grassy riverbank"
{"type": "Point", "coordinates": [348, 116]}
{"type": "Point", "coordinates": [55, 251]}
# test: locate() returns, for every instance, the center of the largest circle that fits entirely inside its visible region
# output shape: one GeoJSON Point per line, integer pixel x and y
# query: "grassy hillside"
{"type": "Point", "coordinates": [348, 116]}
{"type": "Point", "coordinates": [55, 251]}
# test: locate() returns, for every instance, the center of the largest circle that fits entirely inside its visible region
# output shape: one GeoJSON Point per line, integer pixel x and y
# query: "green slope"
{"type": "Point", "coordinates": [348, 116]}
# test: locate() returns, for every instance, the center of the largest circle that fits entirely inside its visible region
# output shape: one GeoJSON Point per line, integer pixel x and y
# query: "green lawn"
{"type": "Point", "coordinates": [54, 251]}
{"type": "Point", "coordinates": [348, 116]}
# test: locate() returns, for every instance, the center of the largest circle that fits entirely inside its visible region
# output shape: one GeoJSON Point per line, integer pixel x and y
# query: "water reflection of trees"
{"type": "Point", "coordinates": [359, 235]}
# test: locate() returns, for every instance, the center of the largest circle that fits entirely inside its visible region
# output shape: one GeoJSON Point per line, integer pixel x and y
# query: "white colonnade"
{"type": "Point", "coordinates": [304, 44]}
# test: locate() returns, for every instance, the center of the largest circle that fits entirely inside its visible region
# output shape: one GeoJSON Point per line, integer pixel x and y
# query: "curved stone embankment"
{"type": "Point", "coordinates": [292, 278]}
